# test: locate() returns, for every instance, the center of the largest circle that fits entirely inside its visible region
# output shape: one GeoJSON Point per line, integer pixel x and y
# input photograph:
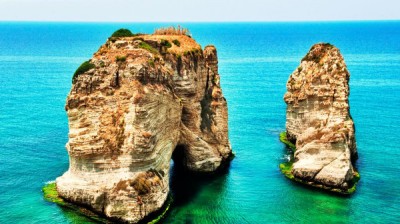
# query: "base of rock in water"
{"type": "Point", "coordinates": [50, 194]}
{"type": "Point", "coordinates": [286, 169]}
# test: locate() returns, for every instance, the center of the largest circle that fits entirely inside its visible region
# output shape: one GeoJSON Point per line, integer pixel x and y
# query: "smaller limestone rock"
{"type": "Point", "coordinates": [318, 121]}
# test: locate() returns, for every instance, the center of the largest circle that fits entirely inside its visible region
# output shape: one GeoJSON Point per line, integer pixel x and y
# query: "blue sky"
{"type": "Point", "coordinates": [198, 10]}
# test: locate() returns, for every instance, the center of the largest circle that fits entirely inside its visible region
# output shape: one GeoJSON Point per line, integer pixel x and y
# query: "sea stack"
{"type": "Point", "coordinates": [319, 124]}
{"type": "Point", "coordinates": [135, 102]}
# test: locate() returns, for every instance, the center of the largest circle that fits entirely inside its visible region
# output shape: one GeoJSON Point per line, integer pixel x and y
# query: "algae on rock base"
{"type": "Point", "coordinates": [286, 169]}
{"type": "Point", "coordinates": [283, 138]}
{"type": "Point", "coordinates": [50, 194]}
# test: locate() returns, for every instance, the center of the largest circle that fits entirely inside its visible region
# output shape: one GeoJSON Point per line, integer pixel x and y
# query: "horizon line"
{"type": "Point", "coordinates": [222, 21]}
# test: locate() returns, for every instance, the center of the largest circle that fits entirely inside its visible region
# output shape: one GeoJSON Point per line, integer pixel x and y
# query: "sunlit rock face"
{"type": "Point", "coordinates": [318, 120]}
{"type": "Point", "coordinates": [144, 97]}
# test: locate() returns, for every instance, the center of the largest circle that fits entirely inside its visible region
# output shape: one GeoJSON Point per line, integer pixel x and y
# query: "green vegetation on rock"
{"type": "Point", "coordinates": [286, 169]}
{"type": "Point", "coordinates": [165, 43]}
{"type": "Point", "coordinates": [176, 42]}
{"type": "Point", "coordinates": [147, 47]}
{"type": "Point", "coordinates": [84, 67]}
{"type": "Point", "coordinates": [316, 56]}
{"type": "Point", "coordinates": [163, 211]}
{"type": "Point", "coordinates": [354, 182]}
{"type": "Point", "coordinates": [50, 194]}
{"type": "Point", "coordinates": [151, 63]}
{"type": "Point", "coordinates": [283, 138]}
{"type": "Point", "coordinates": [193, 52]}
{"type": "Point", "coordinates": [120, 58]}
{"type": "Point", "coordinates": [122, 33]}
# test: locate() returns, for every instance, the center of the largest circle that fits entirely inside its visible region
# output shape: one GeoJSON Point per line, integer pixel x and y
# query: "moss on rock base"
{"type": "Point", "coordinates": [50, 194]}
{"type": "Point", "coordinates": [159, 215]}
{"type": "Point", "coordinates": [286, 169]}
{"type": "Point", "coordinates": [283, 138]}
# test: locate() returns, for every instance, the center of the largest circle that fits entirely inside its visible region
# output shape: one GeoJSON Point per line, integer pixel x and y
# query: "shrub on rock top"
{"type": "Point", "coordinates": [122, 33]}
{"type": "Point", "coordinates": [84, 67]}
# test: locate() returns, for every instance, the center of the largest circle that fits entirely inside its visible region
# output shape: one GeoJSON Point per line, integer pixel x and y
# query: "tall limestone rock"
{"type": "Point", "coordinates": [139, 99]}
{"type": "Point", "coordinates": [318, 121]}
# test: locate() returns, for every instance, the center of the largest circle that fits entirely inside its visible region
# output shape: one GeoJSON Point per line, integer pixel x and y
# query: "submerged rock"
{"type": "Point", "coordinates": [137, 100]}
{"type": "Point", "coordinates": [318, 121]}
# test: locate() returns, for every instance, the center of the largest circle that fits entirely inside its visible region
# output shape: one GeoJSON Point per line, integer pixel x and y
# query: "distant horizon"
{"type": "Point", "coordinates": [183, 22]}
{"type": "Point", "coordinates": [198, 11]}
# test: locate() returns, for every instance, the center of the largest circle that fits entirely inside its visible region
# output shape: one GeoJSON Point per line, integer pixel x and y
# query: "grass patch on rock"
{"type": "Point", "coordinates": [120, 58]}
{"type": "Point", "coordinates": [147, 47]}
{"type": "Point", "coordinates": [151, 62]}
{"type": "Point", "coordinates": [165, 43]}
{"type": "Point", "coordinates": [176, 42]}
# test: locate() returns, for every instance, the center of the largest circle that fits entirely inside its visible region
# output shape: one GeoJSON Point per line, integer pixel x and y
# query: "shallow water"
{"type": "Point", "coordinates": [37, 61]}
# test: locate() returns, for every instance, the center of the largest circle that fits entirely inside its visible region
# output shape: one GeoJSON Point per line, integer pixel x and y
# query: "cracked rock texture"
{"type": "Point", "coordinates": [128, 115]}
{"type": "Point", "coordinates": [318, 119]}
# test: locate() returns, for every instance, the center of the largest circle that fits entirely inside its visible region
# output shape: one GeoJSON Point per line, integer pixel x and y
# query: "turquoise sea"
{"type": "Point", "coordinates": [37, 61]}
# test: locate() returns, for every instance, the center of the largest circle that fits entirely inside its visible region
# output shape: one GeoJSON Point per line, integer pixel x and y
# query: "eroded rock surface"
{"type": "Point", "coordinates": [318, 120]}
{"type": "Point", "coordinates": [145, 96]}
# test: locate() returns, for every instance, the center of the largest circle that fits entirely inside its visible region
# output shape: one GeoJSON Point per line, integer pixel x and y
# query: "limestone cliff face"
{"type": "Point", "coordinates": [319, 122]}
{"type": "Point", "coordinates": [144, 97]}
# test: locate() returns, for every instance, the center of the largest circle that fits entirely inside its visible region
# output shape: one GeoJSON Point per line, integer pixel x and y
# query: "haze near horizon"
{"type": "Point", "coordinates": [197, 11]}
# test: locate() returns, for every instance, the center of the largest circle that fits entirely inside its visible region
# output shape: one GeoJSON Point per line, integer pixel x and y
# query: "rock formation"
{"type": "Point", "coordinates": [318, 121]}
{"type": "Point", "coordinates": [141, 98]}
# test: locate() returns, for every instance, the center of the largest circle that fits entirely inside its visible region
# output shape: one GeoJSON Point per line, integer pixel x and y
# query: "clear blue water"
{"type": "Point", "coordinates": [37, 61]}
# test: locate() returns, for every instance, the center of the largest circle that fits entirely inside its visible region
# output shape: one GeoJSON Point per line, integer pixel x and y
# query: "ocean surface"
{"type": "Point", "coordinates": [37, 61]}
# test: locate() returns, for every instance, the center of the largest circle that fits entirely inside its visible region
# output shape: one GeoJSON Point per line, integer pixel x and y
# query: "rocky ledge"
{"type": "Point", "coordinates": [319, 127]}
{"type": "Point", "coordinates": [139, 99]}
